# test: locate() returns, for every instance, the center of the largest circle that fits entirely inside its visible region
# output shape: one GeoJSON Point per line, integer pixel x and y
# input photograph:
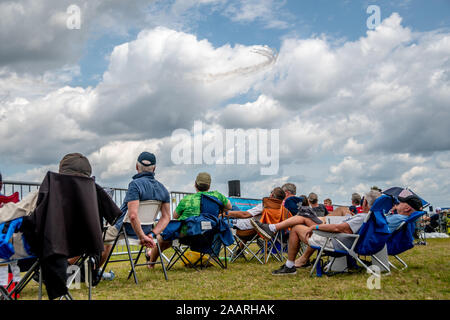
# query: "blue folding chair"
{"type": "Point", "coordinates": [207, 234]}
{"type": "Point", "coordinates": [9, 257]}
{"type": "Point", "coordinates": [15, 250]}
{"type": "Point", "coordinates": [370, 239]}
{"type": "Point", "coordinates": [402, 239]}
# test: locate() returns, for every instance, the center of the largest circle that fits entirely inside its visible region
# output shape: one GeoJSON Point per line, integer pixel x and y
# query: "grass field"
{"type": "Point", "coordinates": [428, 277]}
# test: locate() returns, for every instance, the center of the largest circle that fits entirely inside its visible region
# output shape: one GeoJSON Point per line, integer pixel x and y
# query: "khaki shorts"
{"type": "Point", "coordinates": [111, 234]}
{"type": "Point", "coordinates": [318, 241]}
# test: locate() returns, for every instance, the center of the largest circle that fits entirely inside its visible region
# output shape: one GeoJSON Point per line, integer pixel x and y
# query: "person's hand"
{"type": "Point", "coordinates": [309, 232]}
{"type": "Point", "coordinates": [147, 241]}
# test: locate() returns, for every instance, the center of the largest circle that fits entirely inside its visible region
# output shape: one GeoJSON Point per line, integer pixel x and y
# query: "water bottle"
{"type": "Point", "coordinates": [319, 268]}
{"type": "Point", "coordinates": [108, 275]}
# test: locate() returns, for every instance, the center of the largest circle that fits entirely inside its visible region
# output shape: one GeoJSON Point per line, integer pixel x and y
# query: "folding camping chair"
{"type": "Point", "coordinates": [276, 246]}
{"type": "Point", "coordinates": [12, 292]}
{"type": "Point", "coordinates": [402, 239]}
{"type": "Point", "coordinates": [14, 250]}
{"type": "Point", "coordinates": [244, 244]}
{"type": "Point", "coordinates": [12, 198]}
{"type": "Point", "coordinates": [207, 234]}
{"type": "Point", "coordinates": [147, 212]}
{"type": "Point", "coordinates": [13, 264]}
{"type": "Point", "coordinates": [370, 239]}
{"type": "Point", "coordinates": [246, 240]}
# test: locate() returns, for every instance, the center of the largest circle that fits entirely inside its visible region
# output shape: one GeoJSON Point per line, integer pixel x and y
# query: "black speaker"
{"type": "Point", "coordinates": [234, 188]}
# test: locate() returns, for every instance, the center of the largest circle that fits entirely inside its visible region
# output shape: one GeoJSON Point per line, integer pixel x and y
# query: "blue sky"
{"type": "Point", "coordinates": [306, 18]}
{"type": "Point", "coordinates": [346, 100]}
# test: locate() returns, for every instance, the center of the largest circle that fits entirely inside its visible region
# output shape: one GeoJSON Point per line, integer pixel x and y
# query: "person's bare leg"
{"type": "Point", "coordinates": [293, 244]}
{"type": "Point", "coordinates": [297, 235]}
{"type": "Point", "coordinates": [105, 253]}
{"type": "Point", "coordinates": [154, 254]}
{"type": "Point", "coordinates": [72, 260]}
{"type": "Point", "coordinates": [103, 258]}
{"type": "Point", "coordinates": [304, 258]}
{"type": "Point", "coordinates": [340, 212]}
{"type": "Point", "coordinates": [294, 221]}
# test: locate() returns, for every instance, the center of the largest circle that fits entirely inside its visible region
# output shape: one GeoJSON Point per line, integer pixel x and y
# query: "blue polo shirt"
{"type": "Point", "coordinates": [143, 187]}
{"type": "Point", "coordinates": [395, 220]}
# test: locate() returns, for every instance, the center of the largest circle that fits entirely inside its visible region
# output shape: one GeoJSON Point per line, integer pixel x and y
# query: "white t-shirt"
{"type": "Point", "coordinates": [244, 224]}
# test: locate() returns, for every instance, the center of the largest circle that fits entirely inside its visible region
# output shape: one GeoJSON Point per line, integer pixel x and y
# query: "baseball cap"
{"type": "Point", "coordinates": [203, 178]}
{"type": "Point", "coordinates": [147, 159]}
{"type": "Point", "coordinates": [410, 198]}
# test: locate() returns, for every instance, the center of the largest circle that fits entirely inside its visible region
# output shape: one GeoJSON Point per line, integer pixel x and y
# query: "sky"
{"type": "Point", "coordinates": [350, 96]}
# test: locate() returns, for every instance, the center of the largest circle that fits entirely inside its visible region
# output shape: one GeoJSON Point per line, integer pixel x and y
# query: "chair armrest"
{"type": "Point", "coordinates": [333, 235]}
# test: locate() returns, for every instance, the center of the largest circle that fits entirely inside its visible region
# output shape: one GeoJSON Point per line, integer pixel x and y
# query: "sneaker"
{"type": "Point", "coordinates": [284, 270]}
{"type": "Point", "coordinates": [108, 275]}
{"type": "Point", "coordinates": [263, 229]}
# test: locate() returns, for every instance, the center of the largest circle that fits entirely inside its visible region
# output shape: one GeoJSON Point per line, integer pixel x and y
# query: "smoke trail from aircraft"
{"type": "Point", "coordinates": [269, 53]}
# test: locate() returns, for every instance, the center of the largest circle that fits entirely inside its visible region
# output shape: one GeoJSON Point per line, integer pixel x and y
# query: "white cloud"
{"type": "Point", "coordinates": [267, 11]}
{"type": "Point", "coordinates": [371, 111]}
{"type": "Point", "coordinates": [413, 173]}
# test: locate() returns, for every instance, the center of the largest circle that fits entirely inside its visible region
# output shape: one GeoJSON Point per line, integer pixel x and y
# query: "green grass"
{"type": "Point", "coordinates": [427, 277]}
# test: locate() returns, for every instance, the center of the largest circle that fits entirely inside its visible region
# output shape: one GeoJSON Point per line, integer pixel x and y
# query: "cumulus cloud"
{"type": "Point", "coordinates": [267, 11]}
{"type": "Point", "coordinates": [364, 112]}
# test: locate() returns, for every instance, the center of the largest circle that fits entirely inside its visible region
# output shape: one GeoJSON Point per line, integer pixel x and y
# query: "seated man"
{"type": "Point", "coordinates": [351, 225]}
{"type": "Point", "coordinates": [289, 189]}
{"type": "Point", "coordinates": [143, 187]}
{"type": "Point", "coordinates": [189, 206]}
{"type": "Point", "coordinates": [356, 204]}
{"type": "Point", "coordinates": [408, 203]}
{"type": "Point", "coordinates": [319, 209]}
{"type": "Point", "coordinates": [241, 220]}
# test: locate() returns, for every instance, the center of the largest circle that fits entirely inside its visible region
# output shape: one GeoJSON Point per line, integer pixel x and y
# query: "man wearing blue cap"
{"type": "Point", "coordinates": [143, 187]}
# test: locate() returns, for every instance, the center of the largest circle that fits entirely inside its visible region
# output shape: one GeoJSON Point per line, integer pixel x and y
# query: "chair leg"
{"type": "Point", "coordinates": [405, 266]}
{"type": "Point", "coordinates": [90, 267]}
{"type": "Point", "coordinates": [130, 258]}
{"type": "Point", "coordinates": [27, 278]}
{"type": "Point", "coordinates": [110, 253]}
{"type": "Point", "coordinates": [135, 262]}
{"type": "Point", "coordinates": [161, 258]}
{"type": "Point", "coordinates": [4, 295]}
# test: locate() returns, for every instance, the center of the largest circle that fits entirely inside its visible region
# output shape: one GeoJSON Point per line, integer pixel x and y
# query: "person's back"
{"type": "Point", "coordinates": [144, 187]}
{"type": "Point", "coordinates": [320, 210]}
{"type": "Point", "coordinates": [190, 205]}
